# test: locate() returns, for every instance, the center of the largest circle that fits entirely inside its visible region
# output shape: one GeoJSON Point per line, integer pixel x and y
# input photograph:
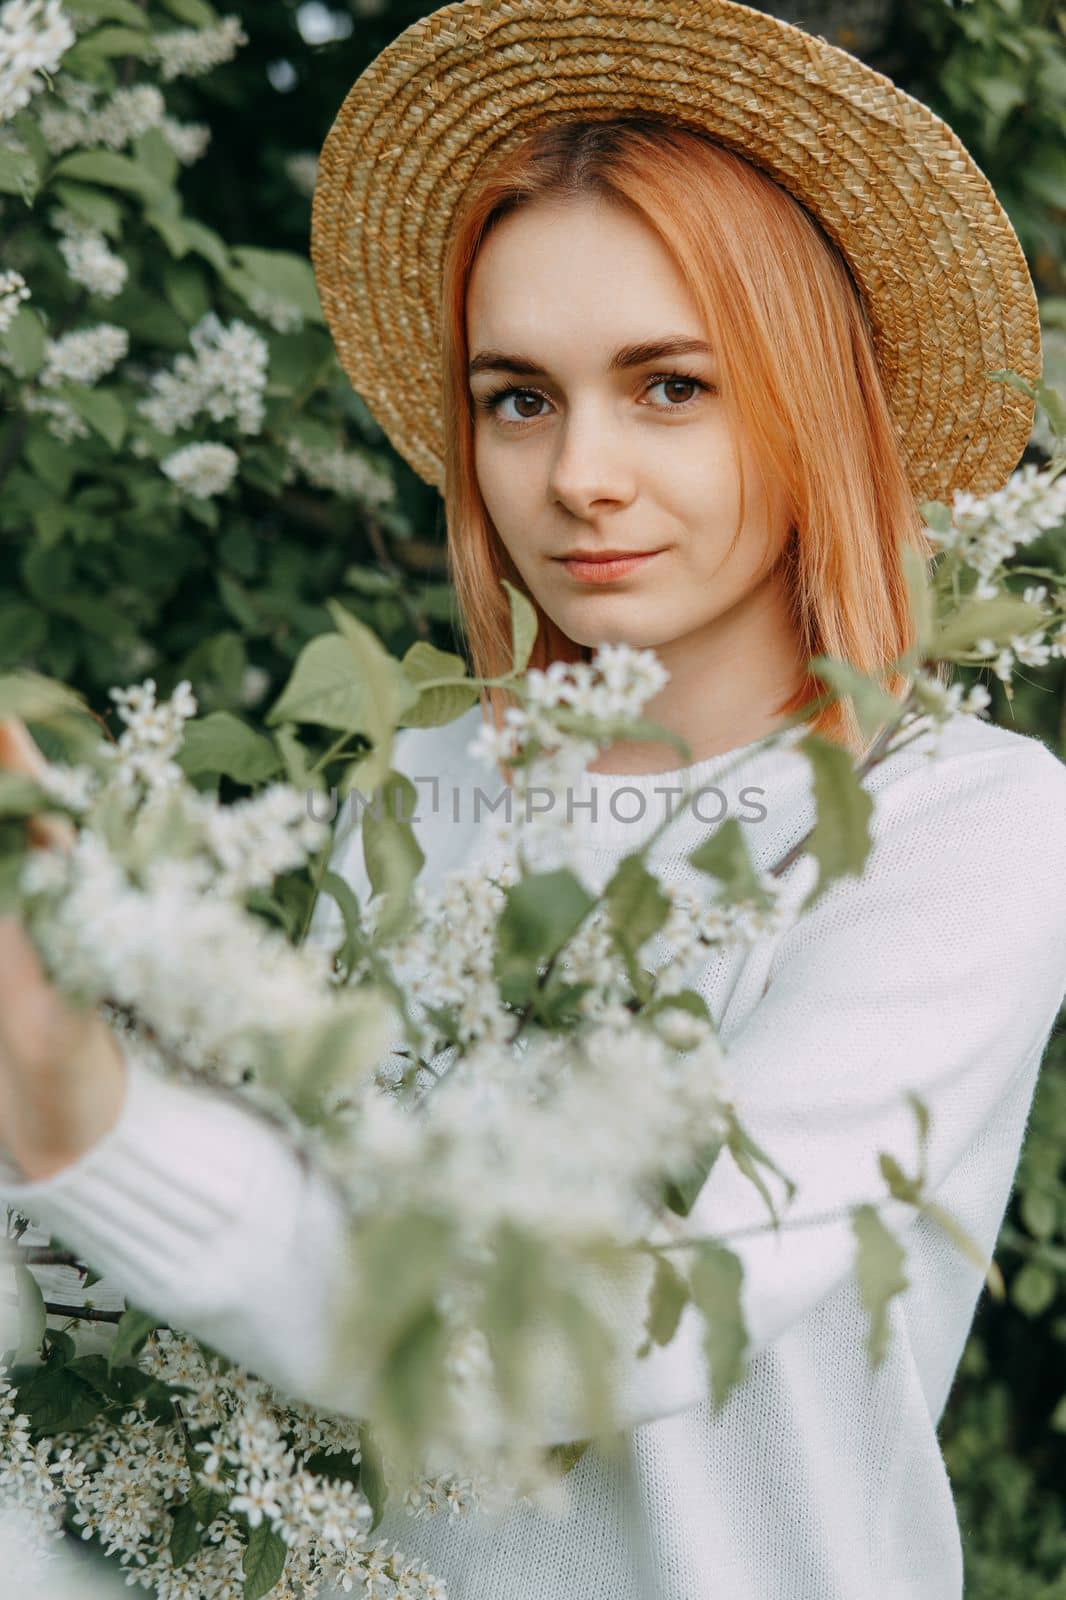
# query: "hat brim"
{"type": "Point", "coordinates": [932, 251]}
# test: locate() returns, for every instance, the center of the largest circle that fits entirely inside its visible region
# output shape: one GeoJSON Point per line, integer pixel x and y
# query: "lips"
{"type": "Point", "coordinates": [586, 556]}
{"type": "Point", "coordinates": [606, 568]}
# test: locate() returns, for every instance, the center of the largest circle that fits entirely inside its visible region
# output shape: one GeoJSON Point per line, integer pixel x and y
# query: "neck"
{"type": "Point", "coordinates": [725, 682]}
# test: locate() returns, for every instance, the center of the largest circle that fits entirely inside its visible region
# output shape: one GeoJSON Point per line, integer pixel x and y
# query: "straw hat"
{"type": "Point", "coordinates": [930, 247]}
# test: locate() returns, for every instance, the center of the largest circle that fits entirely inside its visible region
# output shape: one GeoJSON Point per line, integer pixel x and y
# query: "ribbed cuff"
{"type": "Point", "coordinates": [152, 1199]}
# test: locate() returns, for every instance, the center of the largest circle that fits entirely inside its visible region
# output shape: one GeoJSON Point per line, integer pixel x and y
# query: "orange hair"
{"type": "Point", "coordinates": [800, 374]}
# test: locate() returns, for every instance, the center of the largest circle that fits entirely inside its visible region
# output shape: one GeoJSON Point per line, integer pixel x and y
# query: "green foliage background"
{"type": "Point", "coordinates": [107, 571]}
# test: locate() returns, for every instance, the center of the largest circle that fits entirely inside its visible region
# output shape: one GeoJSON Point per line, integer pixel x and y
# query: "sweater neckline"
{"type": "Point", "coordinates": [622, 808]}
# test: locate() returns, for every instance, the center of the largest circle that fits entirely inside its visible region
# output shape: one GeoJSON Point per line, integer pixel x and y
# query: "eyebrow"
{"type": "Point", "coordinates": [628, 355]}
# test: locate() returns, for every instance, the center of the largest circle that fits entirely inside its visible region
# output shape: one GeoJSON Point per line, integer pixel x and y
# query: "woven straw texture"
{"type": "Point", "coordinates": [941, 271]}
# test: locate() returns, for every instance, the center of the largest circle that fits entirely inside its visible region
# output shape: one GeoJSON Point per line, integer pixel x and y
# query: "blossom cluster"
{"type": "Point", "coordinates": [233, 1436]}
{"type": "Point", "coordinates": [190, 52]}
{"type": "Point", "coordinates": [985, 531]}
{"type": "Point", "coordinates": [226, 378]}
{"type": "Point", "coordinates": [34, 37]}
{"type": "Point", "coordinates": [79, 122]}
{"type": "Point", "coordinates": [203, 470]}
{"type": "Point", "coordinates": [87, 256]}
{"type": "Point", "coordinates": [84, 356]}
{"type": "Point", "coordinates": [13, 290]}
{"type": "Point", "coordinates": [347, 473]}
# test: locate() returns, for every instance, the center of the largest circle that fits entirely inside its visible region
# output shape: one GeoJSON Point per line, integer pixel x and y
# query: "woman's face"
{"type": "Point", "coordinates": [594, 444]}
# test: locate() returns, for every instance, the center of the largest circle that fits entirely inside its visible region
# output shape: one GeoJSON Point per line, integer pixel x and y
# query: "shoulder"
{"type": "Point", "coordinates": [976, 766]}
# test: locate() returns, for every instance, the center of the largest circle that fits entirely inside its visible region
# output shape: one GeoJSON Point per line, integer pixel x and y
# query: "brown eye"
{"type": "Point", "coordinates": [526, 397]}
{"type": "Point", "coordinates": [679, 383]}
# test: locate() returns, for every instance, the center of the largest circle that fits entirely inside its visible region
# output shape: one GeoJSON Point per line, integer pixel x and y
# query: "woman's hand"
{"type": "Point", "coordinates": [62, 1071]}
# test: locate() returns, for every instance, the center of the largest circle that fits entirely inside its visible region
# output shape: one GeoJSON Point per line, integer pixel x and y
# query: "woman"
{"type": "Point", "coordinates": [777, 490]}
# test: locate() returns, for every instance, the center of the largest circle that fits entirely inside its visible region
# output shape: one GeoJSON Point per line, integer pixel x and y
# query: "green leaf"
{"type": "Point", "coordinates": [264, 1561]}
{"type": "Point", "coordinates": [61, 1346]}
{"type": "Point", "coordinates": [874, 706]}
{"type": "Point", "coordinates": [57, 1400]}
{"type": "Point", "coordinates": [1054, 405]}
{"type": "Point", "coordinates": [324, 688]}
{"type": "Point", "coordinates": [35, 698]}
{"type": "Point", "coordinates": [91, 205]}
{"type": "Point", "coordinates": [392, 854]}
{"type": "Point", "coordinates": [279, 273]}
{"type": "Point", "coordinates": [667, 1299]}
{"type": "Point", "coordinates": [23, 630]}
{"type": "Point", "coordinates": [222, 743]}
{"type": "Point", "coordinates": [391, 694]}
{"type": "Point", "coordinates": [413, 1373]}
{"type": "Point", "coordinates": [111, 171]}
{"type": "Point", "coordinates": [151, 148]}
{"type": "Point", "coordinates": [19, 174]}
{"type": "Point", "coordinates": [31, 1313]}
{"type": "Point", "coordinates": [104, 43]}
{"type": "Point", "coordinates": [186, 1534]}
{"type": "Point", "coordinates": [523, 627]}
{"type": "Point", "coordinates": [345, 680]}
{"type": "Point", "coordinates": [109, 10]}
{"type": "Point", "coordinates": [919, 595]}
{"type": "Point", "coordinates": [24, 343]}
{"type": "Point", "coordinates": [197, 13]}
{"type": "Point", "coordinates": [840, 840]}
{"type": "Point", "coordinates": [340, 890]}
{"type": "Point", "coordinates": [101, 409]}
{"type": "Point", "coordinates": [20, 795]}
{"type": "Point", "coordinates": [680, 1192]}
{"type": "Point", "coordinates": [372, 1475]}
{"type": "Point", "coordinates": [50, 460]}
{"type": "Point", "coordinates": [541, 912]}
{"type": "Point", "coordinates": [749, 1156]}
{"type": "Point", "coordinates": [716, 1279]}
{"type": "Point", "coordinates": [565, 1457]}
{"type": "Point", "coordinates": [998, 620]}
{"type": "Point", "coordinates": [131, 1331]}
{"type": "Point", "coordinates": [900, 1187]}
{"type": "Point", "coordinates": [1039, 1213]}
{"type": "Point", "coordinates": [965, 1243]}
{"type": "Point", "coordinates": [636, 905]}
{"type": "Point", "coordinates": [206, 1503]}
{"type": "Point", "coordinates": [423, 663]}
{"type": "Point", "coordinates": [724, 855]}
{"type": "Point", "coordinates": [879, 1273]}
{"type": "Point", "coordinates": [185, 286]}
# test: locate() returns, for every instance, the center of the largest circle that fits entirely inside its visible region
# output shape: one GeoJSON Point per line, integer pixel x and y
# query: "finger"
{"type": "Point", "coordinates": [19, 752]}
{"type": "Point", "coordinates": [35, 1018]}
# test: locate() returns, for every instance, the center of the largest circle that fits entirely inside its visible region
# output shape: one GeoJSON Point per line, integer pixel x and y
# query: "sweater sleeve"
{"type": "Point", "coordinates": [940, 971]}
{"type": "Point", "coordinates": [200, 1210]}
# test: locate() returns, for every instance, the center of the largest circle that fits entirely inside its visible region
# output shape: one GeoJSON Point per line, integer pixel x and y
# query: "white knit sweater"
{"type": "Point", "coordinates": [940, 971]}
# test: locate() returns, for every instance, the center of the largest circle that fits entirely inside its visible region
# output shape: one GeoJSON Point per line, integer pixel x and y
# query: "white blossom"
{"type": "Point", "coordinates": [202, 469]}
{"type": "Point", "coordinates": [88, 258]}
{"type": "Point", "coordinates": [985, 531]}
{"type": "Point", "coordinates": [225, 378]}
{"type": "Point", "coordinates": [13, 290]}
{"type": "Point", "coordinates": [63, 422]}
{"type": "Point", "coordinates": [348, 473]}
{"type": "Point", "coordinates": [84, 356]}
{"type": "Point", "coordinates": [190, 52]}
{"type": "Point", "coordinates": [34, 37]}
{"type": "Point", "coordinates": [188, 140]}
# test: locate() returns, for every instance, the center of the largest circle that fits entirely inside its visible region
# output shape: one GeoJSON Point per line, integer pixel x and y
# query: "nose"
{"type": "Point", "coordinates": [592, 465]}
